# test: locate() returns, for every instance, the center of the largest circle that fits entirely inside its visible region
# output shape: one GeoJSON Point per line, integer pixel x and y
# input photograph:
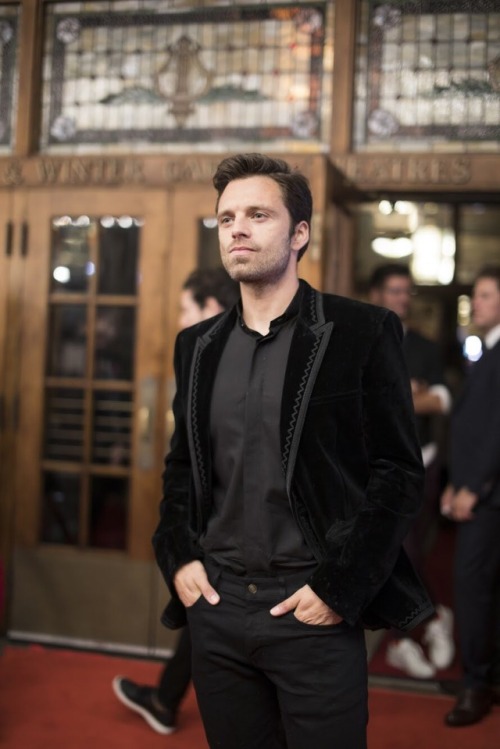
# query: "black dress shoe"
{"type": "Point", "coordinates": [471, 706]}
{"type": "Point", "coordinates": [449, 686]}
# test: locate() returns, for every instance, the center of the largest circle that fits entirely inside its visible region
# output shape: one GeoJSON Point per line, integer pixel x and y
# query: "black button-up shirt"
{"type": "Point", "coordinates": [251, 529]}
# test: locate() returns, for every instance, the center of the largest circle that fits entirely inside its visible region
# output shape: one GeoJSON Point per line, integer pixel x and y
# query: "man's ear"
{"type": "Point", "coordinates": [300, 235]}
{"type": "Point", "coordinates": [212, 307]}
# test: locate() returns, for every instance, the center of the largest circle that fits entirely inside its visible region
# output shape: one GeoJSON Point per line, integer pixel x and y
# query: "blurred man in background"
{"type": "Point", "coordinates": [472, 499]}
{"type": "Point", "coordinates": [391, 286]}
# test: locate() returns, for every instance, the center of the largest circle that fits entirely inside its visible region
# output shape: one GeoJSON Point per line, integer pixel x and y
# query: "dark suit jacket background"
{"type": "Point", "coordinates": [424, 362]}
{"type": "Point", "coordinates": [350, 455]}
{"type": "Point", "coordinates": [475, 430]}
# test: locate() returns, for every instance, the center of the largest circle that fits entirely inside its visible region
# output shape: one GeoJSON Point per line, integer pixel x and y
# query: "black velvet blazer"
{"type": "Point", "coordinates": [350, 455]}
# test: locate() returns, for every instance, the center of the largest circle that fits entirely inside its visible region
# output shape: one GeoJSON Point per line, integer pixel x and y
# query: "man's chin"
{"type": "Point", "coordinates": [241, 272]}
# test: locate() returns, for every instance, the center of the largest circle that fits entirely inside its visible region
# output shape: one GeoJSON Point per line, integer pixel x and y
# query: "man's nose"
{"type": "Point", "coordinates": [240, 226]}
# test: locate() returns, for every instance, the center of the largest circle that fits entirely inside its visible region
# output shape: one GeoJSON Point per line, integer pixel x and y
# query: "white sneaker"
{"type": "Point", "coordinates": [439, 637]}
{"type": "Point", "coordinates": [409, 657]}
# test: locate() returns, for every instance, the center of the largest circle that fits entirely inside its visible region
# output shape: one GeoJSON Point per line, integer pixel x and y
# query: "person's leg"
{"type": "Point", "coordinates": [176, 675]}
{"type": "Point", "coordinates": [321, 679]}
{"type": "Point", "coordinates": [237, 702]}
{"type": "Point", "coordinates": [477, 563]}
{"type": "Point", "coordinates": [403, 652]}
{"type": "Point", "coordinates": [320, 674]}
{"type": "Point", "coordinates": [256, 675]}
{"type": "Point", "coordinates": [494, 676]}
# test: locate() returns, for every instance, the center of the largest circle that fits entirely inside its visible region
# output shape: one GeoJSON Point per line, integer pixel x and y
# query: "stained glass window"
{"type": "Point", "coordinates": [9, 21]}
{"type": "Point", "coordinates": [428, 75]}
{"type": "Point", "coordinates": [167, 74]}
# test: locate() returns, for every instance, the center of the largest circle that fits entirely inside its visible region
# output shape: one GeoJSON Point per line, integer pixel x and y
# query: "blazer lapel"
{"type": "Point", "coordinates": [206, 356]}
{"type": "Point", "coordinates": [309, 342]}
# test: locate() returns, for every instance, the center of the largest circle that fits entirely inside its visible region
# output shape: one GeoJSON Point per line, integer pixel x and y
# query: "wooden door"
{"type": "Point", "coordinates": [11, 279]}
{"type": "Point", "coordinates": [90, 432]}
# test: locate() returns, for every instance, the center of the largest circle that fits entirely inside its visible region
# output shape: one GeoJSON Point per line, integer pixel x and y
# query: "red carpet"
{"type": "Point", "coordinates": [59, 699]}
{"type": "Point", "coordinates": [62, 699]}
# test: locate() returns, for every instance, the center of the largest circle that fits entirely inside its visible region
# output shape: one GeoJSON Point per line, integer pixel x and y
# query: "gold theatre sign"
{"type": "Point", "coordinates": [479, 172]}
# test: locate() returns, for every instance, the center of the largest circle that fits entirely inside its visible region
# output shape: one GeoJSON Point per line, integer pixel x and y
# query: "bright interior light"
{"type": "Point", "coordinates": [403, 246]}
{"type": "Point", "coordinates": [61, 274]}
{"type": "Point", "coordinates": [393, 248]}
{"type": "Point", "coordinates": [404, 207]}
{"type": "Point", "coordinates": [434, 255]}
{"type": "Point", "coordinates": [464, 309]}
{"type": "Point", "coordinates": [62, 221]}
{"type": "Point", "coordinates": [385, 207]}
{"type": "Point", "coordinates": [473, 348]}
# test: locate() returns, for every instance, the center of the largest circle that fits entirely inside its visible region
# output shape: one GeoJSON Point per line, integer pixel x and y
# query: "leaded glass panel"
{"type": "Point", "coordinates": [9, 22]}
{"type": "Point", "coordinates": [170, 74]}
{"type": "Point", "coordinates": [90, 378]}
{"type": "Point", "coordinates": [428, 75]}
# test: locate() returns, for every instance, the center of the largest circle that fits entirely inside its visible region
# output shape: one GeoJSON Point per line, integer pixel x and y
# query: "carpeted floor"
{"type": "Point", "coordinates": [61, 699]}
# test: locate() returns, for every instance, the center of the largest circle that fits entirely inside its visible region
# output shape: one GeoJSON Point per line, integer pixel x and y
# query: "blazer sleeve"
{"type": "Point", "coordinates": [363, 549]}
{"type": "Point", "coordinates": [173, 542]}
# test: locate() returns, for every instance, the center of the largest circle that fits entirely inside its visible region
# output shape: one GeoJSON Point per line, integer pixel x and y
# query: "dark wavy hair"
{"type": "Point", "coordinates": [294, 186]}
{"type": "Point", "coordinates": [490, 271]}
{"type": "Point", "coordinates": [383, 272]}
{"type": "Point", "coordinates": [212, 282]}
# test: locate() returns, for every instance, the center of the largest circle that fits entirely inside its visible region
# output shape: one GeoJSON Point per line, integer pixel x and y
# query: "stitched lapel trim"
{"type": "Point", "coordinates": [307, 350]}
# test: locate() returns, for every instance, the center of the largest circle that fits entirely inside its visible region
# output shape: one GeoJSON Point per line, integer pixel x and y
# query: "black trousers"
{"type": "Point", "coordinates": [176, 675]}
{"type": "Point", "coordinates": [476, 581]}
{"type": "Point", "coordinates": [274, 683]}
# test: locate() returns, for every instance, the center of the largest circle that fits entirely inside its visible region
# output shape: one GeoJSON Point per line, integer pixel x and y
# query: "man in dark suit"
{"type": "Point", "coordinates": [391, 285]}
{"type": "Point", "coordinates": [472, 499]}
{"type": "Point", "coordinates": [293, 476]}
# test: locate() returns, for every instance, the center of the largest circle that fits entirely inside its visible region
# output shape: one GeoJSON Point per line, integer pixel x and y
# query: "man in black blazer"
{"type": "Point", "coordinates": [472, 499]}
{"type": "Point", "coordinates": [293, 476]}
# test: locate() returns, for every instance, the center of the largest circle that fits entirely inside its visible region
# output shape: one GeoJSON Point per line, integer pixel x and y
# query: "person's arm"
{"type": "Point", "coordinates": [428, 400]}
{"type": "Point", "coordinates": [364, 549]}
{"type": "Point", "coordinates": [173, 544]}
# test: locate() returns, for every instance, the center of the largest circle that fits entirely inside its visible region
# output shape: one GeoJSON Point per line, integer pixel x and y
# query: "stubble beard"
{"type": "Point", "coordinates": [257, 269]}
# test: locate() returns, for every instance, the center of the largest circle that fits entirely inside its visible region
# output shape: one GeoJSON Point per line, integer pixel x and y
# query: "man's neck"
{"type": "Point", "coordinates": [264, 303]}
{"type": "Point", "coordinates": [492, 336]}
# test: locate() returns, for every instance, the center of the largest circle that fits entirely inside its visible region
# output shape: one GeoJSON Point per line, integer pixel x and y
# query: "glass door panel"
{"type": "Point", "coordinates": [93, 312]}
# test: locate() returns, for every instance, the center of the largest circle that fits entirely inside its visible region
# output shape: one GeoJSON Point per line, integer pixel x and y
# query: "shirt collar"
{"type": "Point", "coordinates": [291, 312]}
{"type": "Point", "coordinates": [492, 337]}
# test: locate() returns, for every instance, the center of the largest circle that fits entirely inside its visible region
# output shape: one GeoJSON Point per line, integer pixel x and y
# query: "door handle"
{"type": "Point", "coordinates": [24, 238]}
{"type": "Point", "coordinates": [145, 422]}
{"type": "Point", "coordinates": [9, 236]}
{"type": "Point", "coordinates": [146, 417]}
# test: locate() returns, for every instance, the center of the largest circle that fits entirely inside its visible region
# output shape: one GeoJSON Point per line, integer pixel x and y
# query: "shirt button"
{"type": "Point", "coordinates": [252, 588]}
